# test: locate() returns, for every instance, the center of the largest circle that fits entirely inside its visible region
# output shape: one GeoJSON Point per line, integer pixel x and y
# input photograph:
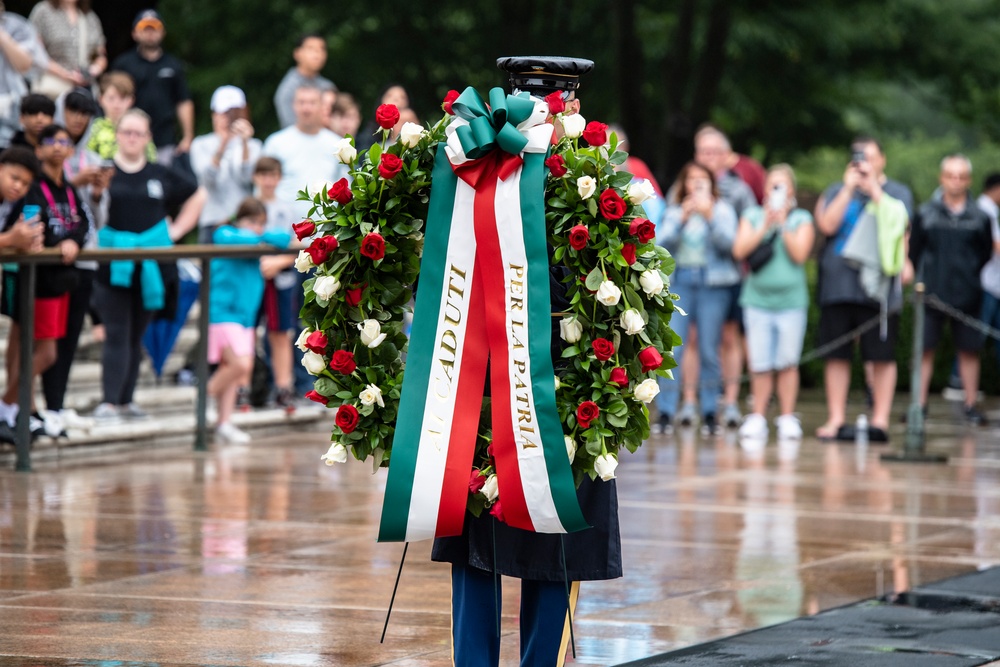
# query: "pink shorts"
{"type": "Point", "coordinates": [241, 340]}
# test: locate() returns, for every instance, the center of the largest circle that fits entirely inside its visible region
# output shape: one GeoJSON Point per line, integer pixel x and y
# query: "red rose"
{"type": "Point", "coordinates": [353, 297]}
{"type": "Point", "coordinates": [449, 99]}
{"type": "Point", "coordinates": [304, 229]}
{"type": "Point", "coordinates": [319, 250]}
{"type": "Point", "coordinates": [586, 413]}
{"type": "Point", "coordinates": [314, 395]}
{"type": "Point", "coordinates": [556, 165]}
{"type": "Point", "coordinates": [578, 237]}
{"type": "Point", "coordinates": [603, 348]}
{"type": "Point", "coordinates": [316, 342]}
{"type": "Point", "coordinates": [387, 115]}
{"type": "Point", "coordinates": [476, 481]}
{"type": "Point", "coordinates": [373, 246]}
{"type": "Point", "coordinates": [556, 103]}
{"type": "Point", "coordinates": [389, 166]}
{"type": "Point", "coordinates": [347, 418]}
{"type": "Point", "coordinates": [596, 134]}
{"type": "Point", "coordinates": [340, 192]}
{"type": "Point", "coordinates": [497, 511]}
{"type": "Point", "coordinates": [628, 252]}
{"type": "Point", "coordinates": [611, 204]}
{"type": "Point", "coordinates": [643, 229]}
{"type": "Point", "coordinates": [343, 362]}
{"type": "Point", "coordinates": [619, 377]}
{"type": "Point", "coordinates": [651, 359]}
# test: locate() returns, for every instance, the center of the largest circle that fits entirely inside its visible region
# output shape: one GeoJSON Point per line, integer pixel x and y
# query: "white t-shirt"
{"type": "Point", "coordinates": [990, 275]}
{"type": "Point", "coordinates": [306, 160]}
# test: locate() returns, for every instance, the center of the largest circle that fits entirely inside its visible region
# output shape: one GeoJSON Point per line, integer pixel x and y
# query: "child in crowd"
{"type": "Point", "coordinates": [117, 97]}
{"type": "Point", "coordinates": [281, 291]}
{"type": "Point", "coordinates": [37, 112]}
{"type": "Point", "coordinates": [345, 116]}
{"type": "Point", "coordinates": [237, 288]}
{"type": "Point", "coordinates": [66, 222]}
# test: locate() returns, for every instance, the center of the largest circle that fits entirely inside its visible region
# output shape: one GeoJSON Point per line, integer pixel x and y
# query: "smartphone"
{"type": "Point", "coordinates": [31, 211]}
{"type": "Point", "coordinates": [858, 156]}
{"type": "Point", "coordinates": [778, 197]}
{"type": "Point", "coordinates": [702, 188]}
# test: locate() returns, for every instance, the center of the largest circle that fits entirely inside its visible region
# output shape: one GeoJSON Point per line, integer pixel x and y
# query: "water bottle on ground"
{"type": "Point", "coordinates": [861, 430]}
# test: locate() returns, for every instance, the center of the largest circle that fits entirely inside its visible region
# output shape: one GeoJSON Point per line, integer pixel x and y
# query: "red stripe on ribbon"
{"type": "Point", "coordinates": [489, 265]}
{"type": "Point", "coordinates": [465, 421]}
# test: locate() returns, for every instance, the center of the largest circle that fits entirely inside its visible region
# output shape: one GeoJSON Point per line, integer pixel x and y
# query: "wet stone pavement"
{"type": "Point", "coordinates": [260, 555]}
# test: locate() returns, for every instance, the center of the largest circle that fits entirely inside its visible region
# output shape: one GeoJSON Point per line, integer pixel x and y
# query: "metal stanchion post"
{"type": "Point", "coordinates": [913, 449]}
{"type": "Point", "coordinates": [26, 315]}
{"type": "Point", "coordinates": [201, 364]}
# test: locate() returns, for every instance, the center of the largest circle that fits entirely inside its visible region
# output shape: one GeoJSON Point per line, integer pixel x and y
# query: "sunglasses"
{"type": "Point", "coordinates": [65, 143]}
{"type": "Point", "coordinates": [133, 134]}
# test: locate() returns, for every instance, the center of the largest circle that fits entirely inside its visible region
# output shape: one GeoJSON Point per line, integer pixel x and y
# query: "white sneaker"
{"type": "Point", "coordinates": [789, 427]}
{"type": "Point", "coordinates": [72, 419]}
{"type": "Point", "coordinates": [53, 424]}
{"type": "Point", "coordinates": [8, 412]}
{"type": "Point", "coordinates": [106, 413]}
{"type": "Point", "coordinates": [227, 432]}
{"type": "Point", "coordinates": [132, 411]}
{"type": "Point", "coordinates": [754, 426]}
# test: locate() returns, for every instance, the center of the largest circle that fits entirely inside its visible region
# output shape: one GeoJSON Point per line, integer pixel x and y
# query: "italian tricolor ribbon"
{"type": "Point", "coordinates": [483, 298]}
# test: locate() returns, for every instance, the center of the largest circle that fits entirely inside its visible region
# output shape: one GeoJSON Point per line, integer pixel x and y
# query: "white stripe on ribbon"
{"type": "Point", "coordinates": [527, 437]}
{"type": "Point", "coordinates": [439, 408]}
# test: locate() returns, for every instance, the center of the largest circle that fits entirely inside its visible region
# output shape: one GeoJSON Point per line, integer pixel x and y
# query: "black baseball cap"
{"type": "Point", "coordinates": [148, 18]}
{"type": "Point", "coordinates": [541, 75]}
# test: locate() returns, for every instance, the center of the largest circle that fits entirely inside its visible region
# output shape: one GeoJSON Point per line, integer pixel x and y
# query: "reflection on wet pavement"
{"type": "Point", "coordinates": [259, 555]}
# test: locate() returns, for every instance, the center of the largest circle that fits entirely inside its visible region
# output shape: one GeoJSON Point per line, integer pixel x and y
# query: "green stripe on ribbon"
{"type": "Point", "coordinates": [403, 462]}
{"type": "Point", "coordinates": [532, 190]}
{"type": "Point", "coordinates": [493, 126]}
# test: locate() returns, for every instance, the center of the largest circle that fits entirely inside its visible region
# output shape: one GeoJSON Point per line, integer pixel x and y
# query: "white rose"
{"type": "Point", "coordinates": [371, 333]}
{"type": "Point", "coordinates": [317, 187]}
{"type": "Point", "coordinates": [314, 363]}
{"type": "Point", "coordinates": [336, 454]}
{"type": "Point", "coordinates": [605, 466]}
{"type": "Point", "coordinates": [325, 287]}
{"type": "Point", "coordinates": [608, 293]}
{"type": "Point", "coordinates": [558, 383]}
{"type": "Point", "coordinates": [304, 262]}
{"type": "Point", "coordinates": [345, 151]}
{"type": "Point", "coordinates": [641, 191]}
{"type": "Point", "coordinates": [418, 239]}
{"type": "Point", "coordinates": [631, 321]}
{"type": "Point", "coordinates": [570, 447]}
{"type": "Point", "coordinates": [646, 390]}
{"type": "Point", "coordinates": [570, 329]}
{"type": "Point", "coordinates": [371, 395]}
{"type": "Point", "coordinates": [573, 125]}
{"type": "Point", "coordinates": [410, 134]}
{"type": "Point", "coordinates": [490, 488]}
{"type": "Point", "coordinates": [300, 342]}
{"type": "Point", "coordinates": [586, 186]}
{"type": "Point", "coordinates": [651, 282]}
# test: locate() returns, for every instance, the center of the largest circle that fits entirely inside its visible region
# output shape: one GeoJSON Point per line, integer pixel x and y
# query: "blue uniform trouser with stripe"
{"type": "Point", "coordinates": [475, 606]}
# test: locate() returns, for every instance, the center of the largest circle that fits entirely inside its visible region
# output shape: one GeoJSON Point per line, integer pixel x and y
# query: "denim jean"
{"type": "Point", "coordinates": [707, 307]}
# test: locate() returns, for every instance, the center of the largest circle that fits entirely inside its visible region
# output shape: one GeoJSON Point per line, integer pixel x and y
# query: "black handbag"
{"type": "Point", "coordinates": [762, 254]}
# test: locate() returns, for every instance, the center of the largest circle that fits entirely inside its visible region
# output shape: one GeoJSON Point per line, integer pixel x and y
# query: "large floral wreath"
{"type": "Point", "coordinates": [366, 245]}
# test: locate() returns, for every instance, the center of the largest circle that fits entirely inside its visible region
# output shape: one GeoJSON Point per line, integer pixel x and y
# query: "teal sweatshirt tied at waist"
{"type": "Point", "coordinates": [157, 236]}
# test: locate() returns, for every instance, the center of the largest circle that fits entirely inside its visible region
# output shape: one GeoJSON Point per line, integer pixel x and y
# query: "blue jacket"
{"type": "Point", "coordinates": [237, 285]}
{"type": "Point", "coordinates": [721, 269]}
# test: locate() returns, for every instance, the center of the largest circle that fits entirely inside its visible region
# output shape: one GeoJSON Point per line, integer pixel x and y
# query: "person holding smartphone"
{"type": "Point", "coordinates": [698, 229]}
{"type": "Point", "coordinates": [775, 301]}
{"type": "Point", "coordinates": [64, 220]}
{"type": "Point", "coordinates": [223, 160]}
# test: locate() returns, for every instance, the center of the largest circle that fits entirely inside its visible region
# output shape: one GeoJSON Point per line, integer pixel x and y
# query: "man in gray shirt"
{"type": "Point", "coordinates": [310, 58]}
{"type": "Point", "coordinates": [21, 55]}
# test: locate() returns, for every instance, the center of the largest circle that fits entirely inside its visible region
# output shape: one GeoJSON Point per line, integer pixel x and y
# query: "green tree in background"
{"type": "Point", "coordinates": [781, 77]}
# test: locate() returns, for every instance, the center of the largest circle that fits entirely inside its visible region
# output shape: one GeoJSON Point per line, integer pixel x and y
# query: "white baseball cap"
{"type": "Point", "coordinates": [228, 97]}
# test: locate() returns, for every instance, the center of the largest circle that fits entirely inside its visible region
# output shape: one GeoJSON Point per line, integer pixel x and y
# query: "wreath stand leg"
{"type": "Point", "coordinates": [394, 587]}
{"type": "Point", "coordinates": [569, 600]}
